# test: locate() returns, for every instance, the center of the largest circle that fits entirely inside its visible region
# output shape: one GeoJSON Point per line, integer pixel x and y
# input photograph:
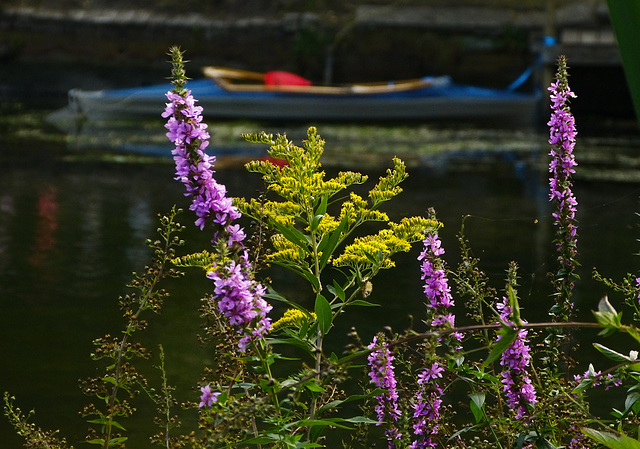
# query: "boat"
{"type": "Point", "coordinates": [227, 93]}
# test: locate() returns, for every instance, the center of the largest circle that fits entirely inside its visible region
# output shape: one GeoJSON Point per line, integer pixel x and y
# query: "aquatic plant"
{"type": "Point", "coordinates": [490, 383]}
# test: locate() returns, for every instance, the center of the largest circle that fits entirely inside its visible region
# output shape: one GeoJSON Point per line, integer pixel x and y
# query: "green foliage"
{"type": "Point", "coordinates": [118, 354]}
{"type": "Point", "coordinates": [611, 440]}
{"type": "Point", "coordinates": [35, 438]}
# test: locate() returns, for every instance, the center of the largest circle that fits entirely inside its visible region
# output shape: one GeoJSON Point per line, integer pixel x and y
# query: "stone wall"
{"type": "Point", "coordinates": [356, 46]}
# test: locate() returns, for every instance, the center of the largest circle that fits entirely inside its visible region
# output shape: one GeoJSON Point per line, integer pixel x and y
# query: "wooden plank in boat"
{"type": "Point", "coordinates": [227, 79]}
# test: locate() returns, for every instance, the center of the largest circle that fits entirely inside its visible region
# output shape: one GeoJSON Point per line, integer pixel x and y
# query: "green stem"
{"type": "Point", "coordinates": [148, 292]}
{"type": "Point", "coordinates": [260, 348]}
{"type": "Point", "coordinates": [313, 406]}
{"type": "Point", "coordinates": [319, 335]}
{"type": "Point", "coordinates": [493, 432]}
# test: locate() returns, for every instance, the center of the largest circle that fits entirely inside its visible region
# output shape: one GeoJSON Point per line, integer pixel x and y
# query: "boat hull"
{"type": "Point", "coordinates": [445, 102]}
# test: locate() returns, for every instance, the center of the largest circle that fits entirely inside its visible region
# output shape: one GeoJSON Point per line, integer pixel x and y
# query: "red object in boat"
{"type": "Point", "coordinates": [281, 78]}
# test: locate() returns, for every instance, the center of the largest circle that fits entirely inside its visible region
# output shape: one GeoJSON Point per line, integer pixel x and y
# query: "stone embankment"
{"type": "Point", "coordinates": [366, 41]}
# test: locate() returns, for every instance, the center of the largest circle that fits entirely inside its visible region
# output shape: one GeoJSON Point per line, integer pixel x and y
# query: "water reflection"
{"type": "Point", "coordinates": [71, 233]}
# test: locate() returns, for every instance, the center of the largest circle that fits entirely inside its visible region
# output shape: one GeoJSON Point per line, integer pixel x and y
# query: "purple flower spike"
{"type": "Point", "coordinates": [383, 376]}
{"type": "Point", "coordinates": [427, 417]}
{"type": "Point", "coordinates": [238, 295]}
{"type": "Point", "coordinates": [436, 285]}
{"type": "Point", "coordinates": [562, 137]}
{"type": "Point", "coordinates": [516, 383]}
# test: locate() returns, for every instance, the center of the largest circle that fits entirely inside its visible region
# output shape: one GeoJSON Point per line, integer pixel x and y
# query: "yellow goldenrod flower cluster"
{"type": "Point", "coordinates": [306, 223]}
{"type": "Point", "coordinates": [387, 186]}
{"type": "Point", "coordinates": [372, 250]}
{"type": "Point", "coordinates": [412, 229]}
{"type": "Point", "coordinates": [286, 251]}
{"type": "Point", "coordinates": [357, 210]}
{"type": "Point", "coordinates": [375, 251]}
{"type": "Point", "coordinates": [300, 181]}
{"type": "Point", "coordinates": [294, 318]}
{"type": "Point", "coordinates": [203, 259]}
{"type": "Point", "coordinates": [282, 212]}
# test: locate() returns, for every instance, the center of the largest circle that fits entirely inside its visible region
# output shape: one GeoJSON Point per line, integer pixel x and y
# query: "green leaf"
{"type": "Point", "coordinates": [634, 366]}
{"type": "Point", "coordinates": [312, 278]}
{"type": "Point", "coordinates": [631, 399]}
{"type": "Point", "coordinates": [355, 397]}
{"type": "Point", "coordinates": [375, 260]}
{"type": "Point", "coordinates": [257, 440]}
{"type": "Point", "coordinates": [116, 441]}
{"type": "Point", "coordinates": [584, 384]}
{"type": "Point", "coordinates": [476, 404]}
{"type": "Point", "coordinates": [362, 302]}
{"type": "Point", "coordinates": [292, 234]}
{"type": "Point", "coordinates": [296, 342]}
{"type": "Point", "coordinates": [323, 422]}
{"type": "Point", "coordinates": [515, 307]}
{"type": "Point", "coordinates": [110, 379]}
{"type": "Point", "coordinates": [106, 421]}
{"type": "Point", "coordinates": [611, 440]}
{"type": "Point", "coordinates": [322, 208]}
{"type": "Point", "coordinates": [463, 430]}
{"type": "Point", "coordinates": [509, 334]}
{"type": "Point", "coordinates": [337, 290]}
{"type": "Point", "coordinates": [361, 419]}
{"type": "Point", "coordinates": [328, 246]}
{"type": "Point", "coordinates": [543, 443]}
{"type": "Point", "coordinates": [608, 318]}
{"type": "Point", "coordinates": [611, 354]}
{"type": "Point", "coordinates": [314, 387]}
{"type": "Point", "coordinates": [316, 222]}
{"type": "Point", "coordinates": [323, 313]}
{"type": "Point", "coordinates": [272, 294]}
{"type": "Point", "coordinates": [353, 355]}
{"type": "Point", "coordinates": [633, 331]}
{"type": "Point", "coordinates": [97, 441]}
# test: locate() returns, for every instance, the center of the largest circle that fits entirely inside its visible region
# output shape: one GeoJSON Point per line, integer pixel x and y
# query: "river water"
{"type": "Point", "coordinates": [75, 212]}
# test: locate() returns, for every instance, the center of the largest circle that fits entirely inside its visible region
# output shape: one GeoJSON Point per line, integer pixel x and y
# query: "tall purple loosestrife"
{"type": "Point", "coordinates": [436, 286]}
{"type": "Point", "coordinates": [426, 408]}
{"type": "Point", "coordinates": [427, 416]}
{"type": "Point", "coordinates": [238, 295]}
{"type": "Point", "coordinates": [515, 360]}
{"type": "Point", "coordinates": [382, 375]}
{"type": "Point", "coordinates": [562, 137]}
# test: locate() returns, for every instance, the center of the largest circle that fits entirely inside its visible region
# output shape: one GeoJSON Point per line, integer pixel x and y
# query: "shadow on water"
{"type": "Point", "coordinates": [75, 211]}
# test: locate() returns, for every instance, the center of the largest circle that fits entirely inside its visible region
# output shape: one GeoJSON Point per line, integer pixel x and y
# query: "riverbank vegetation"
{"type": "Point", "coordinates": [472, 372]}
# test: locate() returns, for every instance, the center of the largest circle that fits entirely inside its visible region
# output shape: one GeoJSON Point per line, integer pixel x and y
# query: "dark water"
{"type": "Point", "coordinates": [72, 230]}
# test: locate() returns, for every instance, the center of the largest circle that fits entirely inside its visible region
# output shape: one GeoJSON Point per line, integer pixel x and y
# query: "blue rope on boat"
{"type": "Point", "coordinates": [548, 41]}
{"type": "Point", "coordinates": [522, 78]}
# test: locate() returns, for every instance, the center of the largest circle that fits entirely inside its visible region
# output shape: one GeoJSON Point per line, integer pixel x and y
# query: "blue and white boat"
{"type": "Point", "coordinates": [239, 94]}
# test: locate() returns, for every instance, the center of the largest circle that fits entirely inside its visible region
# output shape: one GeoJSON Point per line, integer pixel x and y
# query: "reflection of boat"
{"type": "Point", "coordinates": [230, 93]}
